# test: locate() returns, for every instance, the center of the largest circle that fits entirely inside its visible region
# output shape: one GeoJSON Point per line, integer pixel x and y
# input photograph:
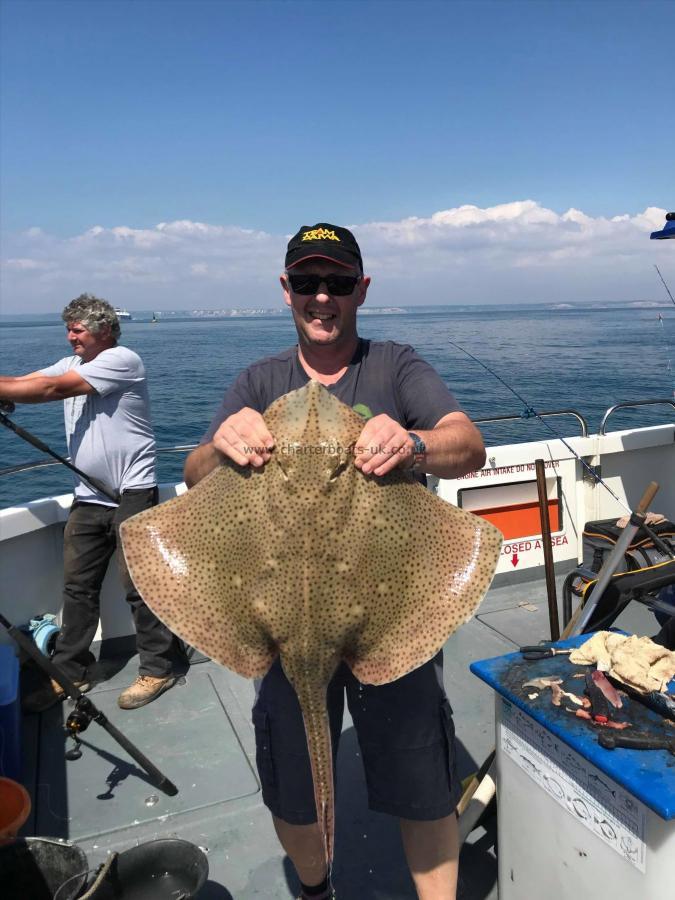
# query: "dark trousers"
{"type": "Point", "coordinates": [90, 539]}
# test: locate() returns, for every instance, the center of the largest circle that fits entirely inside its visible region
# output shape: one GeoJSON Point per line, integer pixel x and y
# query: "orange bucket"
{"type": "Point", "coordinates": [15, 807]}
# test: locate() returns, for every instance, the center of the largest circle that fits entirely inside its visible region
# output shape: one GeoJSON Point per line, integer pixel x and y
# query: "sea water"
{"type": "Point", "coordinates": [579, 357]}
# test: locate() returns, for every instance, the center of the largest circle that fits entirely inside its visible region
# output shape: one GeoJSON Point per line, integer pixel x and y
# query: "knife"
{"type": "Point", "coordinates": [636, 742]}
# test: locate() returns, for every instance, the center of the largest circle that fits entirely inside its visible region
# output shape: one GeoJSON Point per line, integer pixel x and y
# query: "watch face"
{"type": "Point", "coordinates": [419, 451]}
{"type": "Point", "coordinates": [419, 447]}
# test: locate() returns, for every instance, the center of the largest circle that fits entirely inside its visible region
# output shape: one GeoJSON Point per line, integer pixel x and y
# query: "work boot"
{"type": "Point", "coordinates": [144, 689]}
{"type": "Point", "coordinates": [48, 695]}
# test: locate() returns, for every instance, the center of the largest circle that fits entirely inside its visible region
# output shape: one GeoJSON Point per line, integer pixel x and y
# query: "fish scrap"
{"type": "Point", "coordinates": [608, 690]}
{"type": "Point", "coordinates": [608, 723]}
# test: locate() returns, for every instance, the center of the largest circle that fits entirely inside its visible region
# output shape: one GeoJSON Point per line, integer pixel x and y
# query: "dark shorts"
{"type": "Point", "coordinates": [405, 732]}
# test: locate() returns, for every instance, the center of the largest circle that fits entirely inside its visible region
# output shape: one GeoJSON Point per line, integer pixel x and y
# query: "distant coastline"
{"type": "Point", "coordinates": [140, 317]}
{"type": "Point", "coordinates": [254, 313]}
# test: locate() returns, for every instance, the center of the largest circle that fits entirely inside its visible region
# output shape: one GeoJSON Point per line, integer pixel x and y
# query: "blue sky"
{"type": "Point", "coordinates": [253, 118]}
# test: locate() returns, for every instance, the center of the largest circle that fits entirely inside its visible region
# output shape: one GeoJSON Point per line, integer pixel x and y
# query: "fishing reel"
{"type": "Point", "coordinates": [78, 721]}
{"type": "Point", "coordinates": [7, 406]}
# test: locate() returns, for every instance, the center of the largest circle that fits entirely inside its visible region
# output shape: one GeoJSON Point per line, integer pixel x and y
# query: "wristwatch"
{"type": "Point", "coordinates": [419, 451]}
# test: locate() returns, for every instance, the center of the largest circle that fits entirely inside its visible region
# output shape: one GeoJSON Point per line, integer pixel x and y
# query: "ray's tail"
{"type": "Point", "coordinates": [317, 729]}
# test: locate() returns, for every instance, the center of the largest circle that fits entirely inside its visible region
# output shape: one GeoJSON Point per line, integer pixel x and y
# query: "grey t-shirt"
{"type": "Point", "coordinates": [383, 376]}
{"type": "Point", "coordinates": [109, 434]}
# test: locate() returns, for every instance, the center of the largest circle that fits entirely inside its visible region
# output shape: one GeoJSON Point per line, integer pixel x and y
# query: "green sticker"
{"type": "Point", "coordinates": [363, 410]}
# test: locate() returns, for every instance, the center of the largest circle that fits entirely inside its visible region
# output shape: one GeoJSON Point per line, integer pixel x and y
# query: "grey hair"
{"type": "Point", "coordinates": [94, 313]}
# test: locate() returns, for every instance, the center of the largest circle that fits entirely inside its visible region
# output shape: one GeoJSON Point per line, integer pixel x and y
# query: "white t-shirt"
{"type": "Point", "coordinates": [109, 434]}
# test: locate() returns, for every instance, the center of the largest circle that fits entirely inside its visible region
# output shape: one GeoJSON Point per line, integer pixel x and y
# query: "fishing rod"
{"type": "Point", "coordinates": [669, 367]}
{"type": "Point", "coordinates": [663, 327]}
{"type": "Point", "coordinates": [85, 711]}
{"type": "Point", "coordinates": [664, 284]}
{"type": "Point", "coordinates": [95, 483]}
{"type": "Point", "coordinates": [529, 412]}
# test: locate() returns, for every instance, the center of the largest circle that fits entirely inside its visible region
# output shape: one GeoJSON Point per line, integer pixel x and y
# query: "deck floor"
{"type": "Point", "coordinates": [199, 735]}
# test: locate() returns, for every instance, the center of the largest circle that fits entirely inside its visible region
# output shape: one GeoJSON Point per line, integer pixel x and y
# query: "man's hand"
{"type": "Point", "coordinates": [244, 438]}
{"type": "Point", "coordinates": [454, 446]}
{"type": "Point", "coordinates": [382, 446]}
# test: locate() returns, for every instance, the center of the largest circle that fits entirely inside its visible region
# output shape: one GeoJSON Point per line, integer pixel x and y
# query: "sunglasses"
{"type": "Point", "coordinates": [338, 285]}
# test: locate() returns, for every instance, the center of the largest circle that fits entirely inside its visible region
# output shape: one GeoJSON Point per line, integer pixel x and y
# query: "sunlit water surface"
{"type": "Point", "coordinates": [584, 358]}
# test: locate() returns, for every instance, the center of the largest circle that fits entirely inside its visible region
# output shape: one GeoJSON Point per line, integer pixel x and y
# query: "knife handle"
{"type": "Point", "coordinates": [647, 498]}
{"type": "Point", "coordinates": [632, 742]}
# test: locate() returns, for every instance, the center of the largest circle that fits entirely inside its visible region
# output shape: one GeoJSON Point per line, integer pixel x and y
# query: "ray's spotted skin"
{"type": "Point", "coordinates": [310, 559]}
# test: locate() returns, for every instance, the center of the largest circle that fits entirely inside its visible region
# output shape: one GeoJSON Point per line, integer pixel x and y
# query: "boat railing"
{"type": "Point", "coordinates": [627, 405]}
{"type": "Point", "coordinates": [185, 448]}
{"type": "Point", "coordinates": [27, 466]}
{"type": "Point", "coordinates": [44, 463]}
{"type": "Point", "coordinates": [489, 420]}
{"type": "Point", "coordinates": [543, 415]}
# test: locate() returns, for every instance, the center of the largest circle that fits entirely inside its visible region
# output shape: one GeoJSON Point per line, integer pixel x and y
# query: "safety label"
{"type": "Point", "coordinates": [498, 471]}
{"type": "Point", "coordinates": [594, 799]}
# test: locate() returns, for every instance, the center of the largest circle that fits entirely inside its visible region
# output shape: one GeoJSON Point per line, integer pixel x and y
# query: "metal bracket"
{"type": "Point", "coordinates": [592, 474]}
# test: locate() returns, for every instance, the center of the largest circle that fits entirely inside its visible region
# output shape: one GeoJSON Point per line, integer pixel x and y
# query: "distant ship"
{"type": "Point", "coordinates": [122, 313]}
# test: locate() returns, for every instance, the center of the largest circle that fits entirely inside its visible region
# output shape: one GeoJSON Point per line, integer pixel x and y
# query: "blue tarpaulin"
{"type": "Point", "coordinates": [668, 230]}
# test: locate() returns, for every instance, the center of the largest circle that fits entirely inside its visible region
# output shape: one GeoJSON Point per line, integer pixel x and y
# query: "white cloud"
{"type": "Point", "coordinates": [24, 265]}
{"type": "Point", "coordinates": [519, 252]}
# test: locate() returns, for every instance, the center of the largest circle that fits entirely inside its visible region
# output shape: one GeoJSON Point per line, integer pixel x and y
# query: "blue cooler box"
{"type": "Point", "coordinates": [576, 820]}
{"type": "Point", "coordinates": [10, 716]}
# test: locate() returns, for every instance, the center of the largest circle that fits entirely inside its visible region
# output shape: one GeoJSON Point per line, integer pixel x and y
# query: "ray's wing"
{"type": "Point", "coordinates": [311, 556]}
{"type": "Point", "coordinates": [424, 568]}
{"type": "Point", "coordinates": [204, 561]}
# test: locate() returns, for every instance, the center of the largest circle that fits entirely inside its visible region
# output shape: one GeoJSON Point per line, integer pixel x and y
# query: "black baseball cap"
{"type": "Point", "coordinates": [324, 241]}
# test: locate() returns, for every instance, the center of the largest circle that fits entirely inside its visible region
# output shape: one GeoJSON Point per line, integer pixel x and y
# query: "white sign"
{"type": "Point", "coordinates": [594, 799]}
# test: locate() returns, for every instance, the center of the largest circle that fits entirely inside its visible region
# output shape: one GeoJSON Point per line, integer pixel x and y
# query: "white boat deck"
{"type": "Point", "coordinates": [199, 735]}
